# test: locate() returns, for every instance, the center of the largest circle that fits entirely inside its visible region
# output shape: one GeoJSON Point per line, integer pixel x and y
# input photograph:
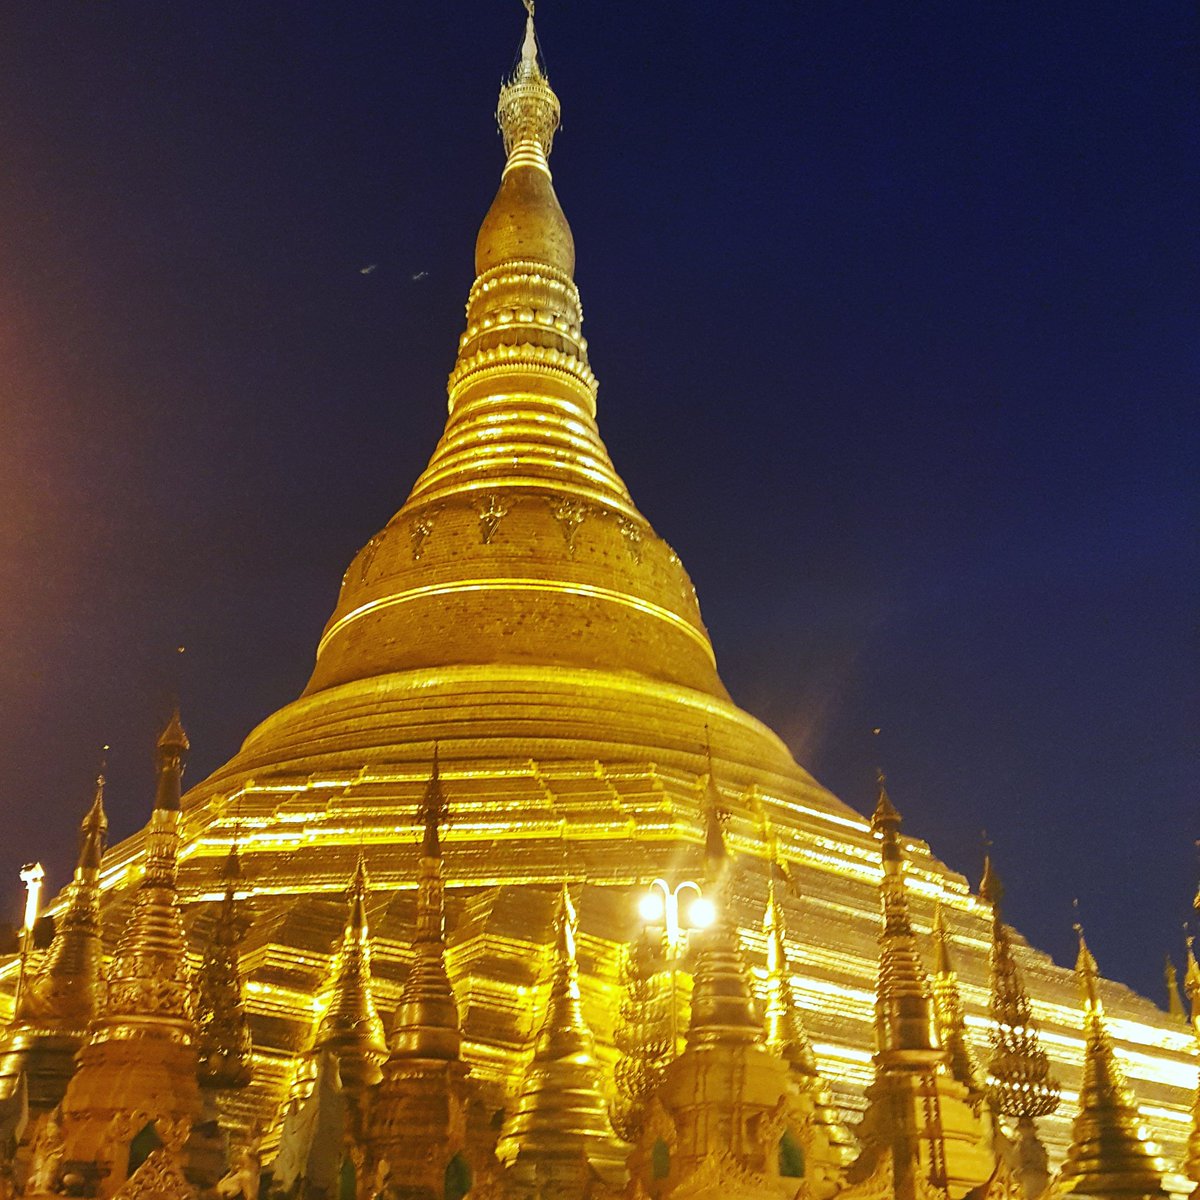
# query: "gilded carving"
{"type": "Point", "coordinates": [419, 528]}
{"type": "Point", "coordinates": [158, 1178]}
{"type": "Point", "coordinates": [570, 513]}
{"type": "Point", "coordinates": [631, 531]}
{"type": "Point", "coordinates": [491, 512]}
{"type": "Point", "coordinates": [368, 557]}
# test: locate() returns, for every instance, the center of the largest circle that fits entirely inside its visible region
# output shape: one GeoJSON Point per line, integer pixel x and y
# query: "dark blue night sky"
{"type": "Point", "coordinates": [894, 309]}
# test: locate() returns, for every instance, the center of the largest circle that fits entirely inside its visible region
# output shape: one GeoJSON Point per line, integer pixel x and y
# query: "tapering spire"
{"type": "Point", "coordinates": [722, 1001]}
{"type": "Point", "coordinates": [1191, 985]}
{"type": "Point", "coordinates": [173, 746]}
{"type": "Point", "coordinates": [152, 945]}
{"type": "Point", "coordinates": [433, 810]}
{"type": "Point", "coordinates": [150, 1014]}
{"type": "Point", "coordinates": [1109, 1154]}
{"type": "Point", "coordinates": [786, 1034]}
{"type": "Point", "coordinates": [350, 1025]}
{"type": "Point", "coordinates": [162, 834]}
{"type": "Point", "coordinates": [947, 1002]}
{"type": "Point", "coordinates": [1191, 982]}
{"type": "Point", "coordinates": [716, 853]}
{"type": "Point", "coordinates": [426, 1024]}
{"type": "Point", "coordinates": [224, 1043]}
{"type": "Point", "coordinates": [1171, 984]}
{"type": "Point", "coordinates": [56, 1006]}
{"type": "Point", "coordinates": [1019, 1083]}
{"type": "Point", "coordinates": [904, 1014]}
{"type": "Point", "coordinates": [93, 833]}
{"type": "Point", "coordinates": [561, 1117]}
{"type": "Point", "coordinates": [67, 989]}
{"type": "Point", "coordinates": [528, 111]}
{"type": "Point", "coordinates": [918, 1114]}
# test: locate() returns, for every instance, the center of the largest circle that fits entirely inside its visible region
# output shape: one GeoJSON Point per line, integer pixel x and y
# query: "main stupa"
{"type": "Point", "coordinates": [521, 615]}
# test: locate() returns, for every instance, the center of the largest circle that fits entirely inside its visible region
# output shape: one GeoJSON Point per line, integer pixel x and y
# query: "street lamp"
{"type": "Point", "coordinates": [660, 906]}
{"type": "Point", "coordinates": [32, 875]}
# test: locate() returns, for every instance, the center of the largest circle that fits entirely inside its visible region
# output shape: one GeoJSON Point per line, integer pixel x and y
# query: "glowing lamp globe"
{"type": "Point", "coordinates": [702, 913]}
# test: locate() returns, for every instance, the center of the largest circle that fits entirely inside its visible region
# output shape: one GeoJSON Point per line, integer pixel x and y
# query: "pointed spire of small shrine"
{"type": "Point", "coordinates": [904, 1014]}
{"type": "Point", "coordinates": [786, 1035]}
{"type": "Point", "coordinates": [56, 1006]}
{"type": "Point", "coordinates": [561, 1120]}
{"type": "Point", "coordinates": [426, 1025]}
{"type": "Point", "coordinates": [93, 833]}
{"type": "Point", "coordinates": [1109, 1155]}
{"type": "Point", "coordinates": [149, 1015]}
{"type": "Point", "coordinates": [722, 1001]}
{"type": "Point", "coordinates": [918, 1115]}
{"type": "Point", "coordinates": [350, 1025]}
{"type": "Point", "coordinates": [1171, 983]}
{"type": "Point", "coordinates": [223, 1042]}
{"type": "Point", "coordinates": [173, 746]}
{"type": "Point", "coordinates": [1019, 1083]}
{"type": "Point", "coordinates": [1191, 981]}
{"type": "Point", "coordinates": [951, 1016]}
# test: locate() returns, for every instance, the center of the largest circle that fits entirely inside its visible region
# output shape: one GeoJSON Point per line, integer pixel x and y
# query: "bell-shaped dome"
{"type": "Point", "coordinates": [519, 543]}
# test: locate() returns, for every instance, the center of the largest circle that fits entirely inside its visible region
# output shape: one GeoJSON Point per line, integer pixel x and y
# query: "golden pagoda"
{"type": "Point", "coordinates": [135, 1087]}
{"type": "Point", "coordinates": [918, 1114]}
{"type": "Point", "coordinates": [350, 1027]}
{"type": "Point", "coordinates": [1110, 1154]}
{"type": "Point", "coordinates": [519, 611]}
{"type": "Point", "coordinates": [418, 1129]}
{"type": "Point", "coordinates": [728, 1119]}
{"type": "Point", "coordinates": [558, 1142]}
{"type": "Point", "coordinates": [57, 1004]}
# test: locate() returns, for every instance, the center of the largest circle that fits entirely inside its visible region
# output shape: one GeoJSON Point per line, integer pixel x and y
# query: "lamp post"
{"type": "Point", "coordinates": [32, 875]}
{"type": "Point", "coordinates": [660, 907]}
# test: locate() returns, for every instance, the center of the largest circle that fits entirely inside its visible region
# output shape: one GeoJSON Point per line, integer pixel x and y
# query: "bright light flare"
{"type": "Point", "coordinates": [32, 876]}
{"type": "Point", "coordinates": [650, 907]}
{"type": "Point", "coordinates": [701, 913]}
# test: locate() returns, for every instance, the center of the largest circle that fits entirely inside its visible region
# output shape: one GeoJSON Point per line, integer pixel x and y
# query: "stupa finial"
{"type": "Point", "coordinates": [904, 1014]}
{"type": "Point", "coordinates": [528, 110]}
{"type": "Point", "coordinates": [173, 746]}
{"type": "Point", "coordinates": [561, 1115]}
{"type": "Point", "coordinates": [94, 829]}
{"type": "Point", "coordinates": [224, 1043]}
{"type": "Point", "coordinates": [1191, 980]}
{"type": "Point", "coordinates": [716, 852]}
{"type": "Point", "coordinates": [786, 1034]}
{"type": "Point", "coordinates": [947, 1002]}
{"type": "Point", "coordinates": [1108, 1154]}
{"type": "Point", "coordinates": [350, 1025]}
{"type": "Point", "coordinates": [1018, 1071]}
{"type": "Point", "coordinates": [162, 834]}
{"type": "Point", "coordinates": [722, 1004]}
{"type": "Point", "coordinates": [426, 1025]}
{"type": "Point", "coordinates": [433, 809]}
